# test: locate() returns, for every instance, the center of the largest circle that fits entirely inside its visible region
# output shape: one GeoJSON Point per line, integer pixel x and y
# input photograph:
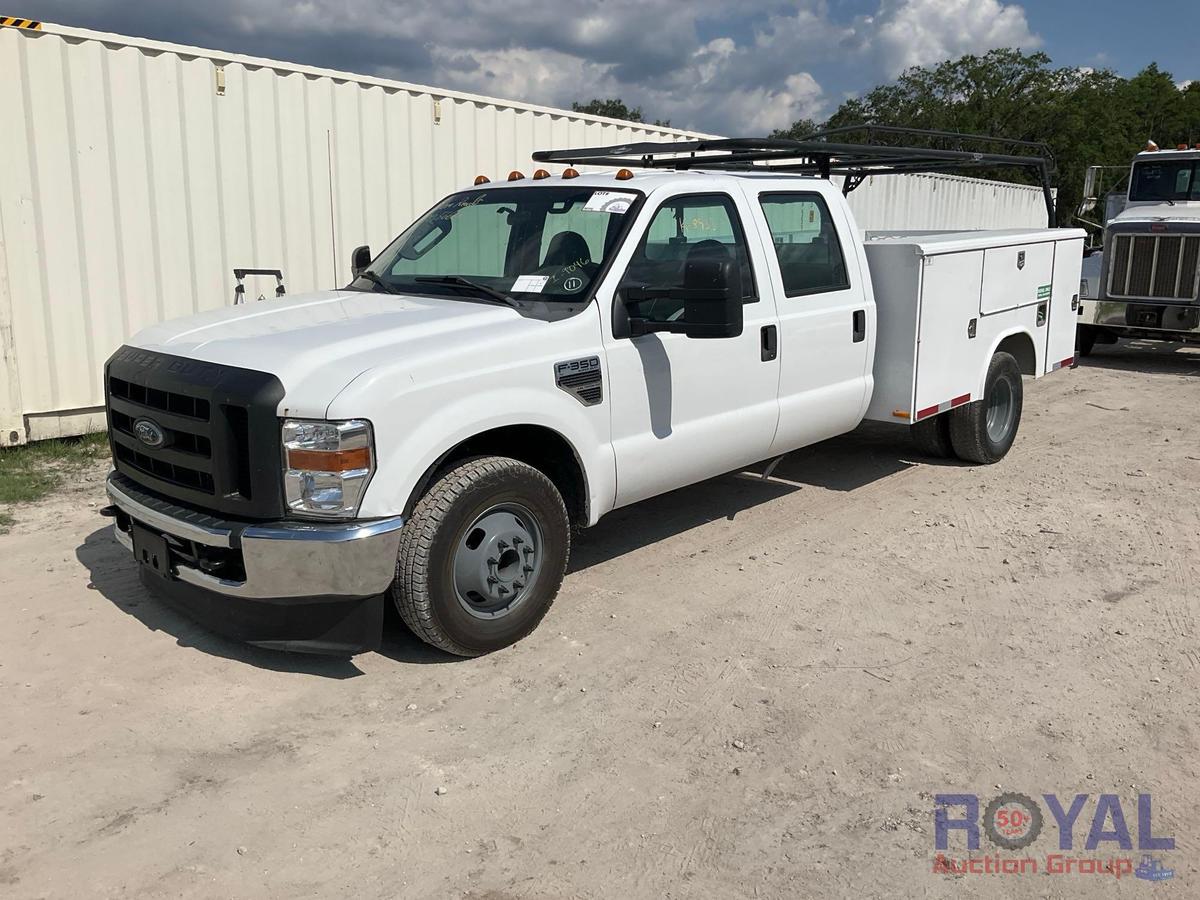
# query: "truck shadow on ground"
{"type": "Point", "coordinates": [852, 461]}
{"type": "Point", "coordinates": [1163, 357]}
{"type": "Point", "coordinates": [847, 463]}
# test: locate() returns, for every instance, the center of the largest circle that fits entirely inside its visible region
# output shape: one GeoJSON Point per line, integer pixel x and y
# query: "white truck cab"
{"type": "Point", "coordinates": [530, 355]}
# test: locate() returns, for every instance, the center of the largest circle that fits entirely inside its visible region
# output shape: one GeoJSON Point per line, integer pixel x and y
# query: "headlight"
{"type": "Point", "coordinates": [327, 466]}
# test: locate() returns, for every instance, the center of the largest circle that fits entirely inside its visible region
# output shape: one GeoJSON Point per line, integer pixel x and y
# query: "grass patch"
{"type": "Point", "coordinates": [32, 471]}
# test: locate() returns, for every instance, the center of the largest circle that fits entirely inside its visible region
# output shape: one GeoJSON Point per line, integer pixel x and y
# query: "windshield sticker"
{"type": "Point", "coordinates": [530, 284]}
{"type": "Point", "coordinates": [609, 202]}
{"type": "Point", "coordinates": [449, 209]}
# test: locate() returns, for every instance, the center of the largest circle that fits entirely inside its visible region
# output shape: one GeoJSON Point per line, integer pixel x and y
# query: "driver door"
{"type": "Point", "coordinates": [684, 409]}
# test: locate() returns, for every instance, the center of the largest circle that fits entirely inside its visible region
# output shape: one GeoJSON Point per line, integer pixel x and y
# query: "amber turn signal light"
{"type": "Point", "coordinates": [329, 460]}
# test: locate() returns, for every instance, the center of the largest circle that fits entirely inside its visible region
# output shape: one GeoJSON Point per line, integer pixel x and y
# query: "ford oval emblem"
{"type": "Point", "coordinates": [149, 433]}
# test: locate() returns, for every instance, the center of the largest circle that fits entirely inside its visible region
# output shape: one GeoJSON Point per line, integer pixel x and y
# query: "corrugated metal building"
{"type": "Point", "coordinates": [137, 175]}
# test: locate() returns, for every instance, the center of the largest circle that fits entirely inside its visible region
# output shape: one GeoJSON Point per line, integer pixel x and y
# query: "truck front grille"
{"type": "Point", "coordinates": [203, 434]}
{"type": "Point", "coordinates": [1154, 266]}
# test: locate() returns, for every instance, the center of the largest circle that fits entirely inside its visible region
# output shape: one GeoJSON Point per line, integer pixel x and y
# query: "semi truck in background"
{"type": "Point", "coordinates": [1145, 281]}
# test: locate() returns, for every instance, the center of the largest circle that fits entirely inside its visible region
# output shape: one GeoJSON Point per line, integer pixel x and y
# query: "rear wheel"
{"type": "Point", "coordinates": [932, 437]}
{"type": "Point", "coordinates": [983, 431]}
{"type": "Point", "coordinates": [1085, 340]}
{"type": "Point", "coordinates": [482, 557]}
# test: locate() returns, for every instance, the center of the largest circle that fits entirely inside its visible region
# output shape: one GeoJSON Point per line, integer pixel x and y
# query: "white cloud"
{"type": "Point", "coordinates": [920, 32]}
{"type": "Point", "coordinates": [763, 109]}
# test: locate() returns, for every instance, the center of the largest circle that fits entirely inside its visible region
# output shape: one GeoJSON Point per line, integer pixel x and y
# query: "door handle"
{"type": "Point", "coordinates": [769, 342]}
{"type": "Point", "coordinates": [860, 325]}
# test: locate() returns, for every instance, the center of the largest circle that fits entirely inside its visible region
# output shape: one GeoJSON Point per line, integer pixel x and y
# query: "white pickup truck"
{"type": "Point", "coordinates": [530, 355]}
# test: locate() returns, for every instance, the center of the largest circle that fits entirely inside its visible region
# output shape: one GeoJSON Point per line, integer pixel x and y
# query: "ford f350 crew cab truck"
{"type": "Point", "coordinates": [532, 354]}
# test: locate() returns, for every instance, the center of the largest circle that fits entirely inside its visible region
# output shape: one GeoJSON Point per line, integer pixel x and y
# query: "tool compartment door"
{"type": "Point", "coordinates": [948, 362]}
{"type": "Point", "coordinates": [1016, 276]}
{"type": "Point", "coordinates": [1064, 304]}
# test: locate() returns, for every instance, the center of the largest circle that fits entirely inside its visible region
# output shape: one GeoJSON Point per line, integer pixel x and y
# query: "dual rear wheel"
{"type": "Point", "coordinates": [983, 431]}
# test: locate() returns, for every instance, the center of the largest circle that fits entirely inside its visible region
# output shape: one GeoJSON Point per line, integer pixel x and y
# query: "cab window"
{"type": "Point", "coordinates": [684, 228]}
{"type": "Point", "coordinates": [806, 243]}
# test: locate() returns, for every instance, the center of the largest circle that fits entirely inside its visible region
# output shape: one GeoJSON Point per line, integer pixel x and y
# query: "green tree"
{"type": "Point", "coordinates": [615, 108]}
{"type": "Point", "coordinates": [1086, 117]}
{"type": "Point", "coordinates": [798, 130]}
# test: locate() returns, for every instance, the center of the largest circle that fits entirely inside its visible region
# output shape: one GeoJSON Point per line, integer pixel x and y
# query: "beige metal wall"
{"type": "Point", "coordinates": [136, 175]}
{"type": "Point", "coordinates": [134, 181]}
{"type": "Point", "coordinates": [945, 203]}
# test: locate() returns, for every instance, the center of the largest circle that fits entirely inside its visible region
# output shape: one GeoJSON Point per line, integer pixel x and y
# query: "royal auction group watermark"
{"type": "Point", "coordinates": [1013, 821]}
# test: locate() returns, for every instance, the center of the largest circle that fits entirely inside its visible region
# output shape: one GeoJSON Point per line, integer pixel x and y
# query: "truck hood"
{"type": "Point", "coordinates": [318, 343]}
{"type": "Point", "coordinates": [1184, 212]}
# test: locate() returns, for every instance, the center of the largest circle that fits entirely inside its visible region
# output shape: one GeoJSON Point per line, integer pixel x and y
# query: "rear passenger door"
{"type": "Point", "coordinates": [826, 320]}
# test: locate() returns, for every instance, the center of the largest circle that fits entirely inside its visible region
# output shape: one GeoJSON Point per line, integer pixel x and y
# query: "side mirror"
{"type": "Point", "coordinates": [1091, 183]}
{"type": "Point", "coordinates": [712, 298]}
{"type": "Point", "coordinates": [359, 260]}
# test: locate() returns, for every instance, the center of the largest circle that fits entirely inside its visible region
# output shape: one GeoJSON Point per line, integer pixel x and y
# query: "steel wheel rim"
{"type": "Point", "coordinates": [1001, 410]}
{"type": "Point", "coordinates": [496, 561]}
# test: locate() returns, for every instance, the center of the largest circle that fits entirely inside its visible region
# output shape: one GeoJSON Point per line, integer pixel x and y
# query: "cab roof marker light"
{"type": "Point", "coordinates": [1181, 146]}
{"type": "Point", "coordinates": [482, 179]}
{"type": "Point", "coordinates": [623, 175]}
{"type": "Point", "coordinates": [574, 173]}
{"type": "Point", "coordinates": [540, 174]}
{"type": "Point", "coordinates": [514, 175]}
{"type": "Point", "coordinates": [1151, 146]}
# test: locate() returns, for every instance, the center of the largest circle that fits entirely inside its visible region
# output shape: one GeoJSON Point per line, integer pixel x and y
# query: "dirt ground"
{"type": "Point", "coordinates": [746, 689]}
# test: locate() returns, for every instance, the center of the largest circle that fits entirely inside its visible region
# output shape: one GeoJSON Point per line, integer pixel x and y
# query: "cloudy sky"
{"type": "Point", "coordinates": [713, 65]}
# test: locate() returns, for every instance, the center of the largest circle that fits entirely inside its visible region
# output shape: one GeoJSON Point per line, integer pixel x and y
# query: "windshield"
{"type": "Point", "coordinates": [1176, 180]}
{"type": "Point", "coordinates": [546, 243]}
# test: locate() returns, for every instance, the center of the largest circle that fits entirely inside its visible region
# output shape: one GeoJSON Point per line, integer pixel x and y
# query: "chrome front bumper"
{"type": "Point", "coordinates": [280, 559]}
{"type": "Point", "coordinates": [1138, 318]}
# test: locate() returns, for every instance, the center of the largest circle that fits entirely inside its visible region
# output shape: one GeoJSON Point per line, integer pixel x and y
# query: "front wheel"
{"type": "Point", "coordinates": [983, 431]}
{"type": "Point", "coordinates": [483, 556]}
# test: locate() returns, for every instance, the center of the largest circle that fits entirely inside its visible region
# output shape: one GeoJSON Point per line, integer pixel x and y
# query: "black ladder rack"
{"type": "Point", "coordinates": [818, 155]}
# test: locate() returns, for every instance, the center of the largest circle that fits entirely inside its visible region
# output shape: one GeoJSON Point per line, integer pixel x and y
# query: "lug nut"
{"type": "Point", "coordinates": [503, 545]}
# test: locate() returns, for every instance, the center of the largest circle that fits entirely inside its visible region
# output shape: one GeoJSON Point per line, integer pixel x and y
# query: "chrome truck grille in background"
{"type": "Point", "coordinates": [1154, 266]}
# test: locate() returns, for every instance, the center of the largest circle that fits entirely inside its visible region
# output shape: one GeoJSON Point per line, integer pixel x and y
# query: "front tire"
{"type": "Point", "coordinates": [983, 431]}
{"type": "Point", "coordinates": [483, 556]}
